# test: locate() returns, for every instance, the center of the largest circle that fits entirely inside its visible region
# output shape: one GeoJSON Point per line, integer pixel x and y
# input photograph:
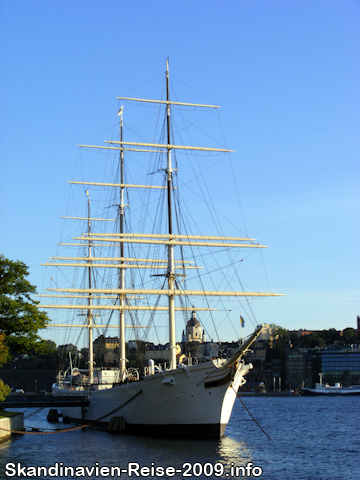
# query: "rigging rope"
{"type": "Point", "coordinates": [243, 404]}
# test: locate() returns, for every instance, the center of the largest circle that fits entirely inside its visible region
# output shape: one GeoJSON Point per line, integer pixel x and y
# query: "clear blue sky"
{"type": "Point", "coordinates": [287, 77]}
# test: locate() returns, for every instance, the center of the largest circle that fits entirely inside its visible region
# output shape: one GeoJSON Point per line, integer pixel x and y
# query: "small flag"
{"type": "Point", "coordinates": [242, 321]}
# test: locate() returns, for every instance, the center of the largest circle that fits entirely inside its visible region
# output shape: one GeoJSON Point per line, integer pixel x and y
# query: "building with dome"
{"type": "Point", "coordinates": [193, 332]}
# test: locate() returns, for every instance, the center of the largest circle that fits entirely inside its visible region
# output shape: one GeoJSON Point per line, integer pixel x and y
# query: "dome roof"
{"type": "Point", "coordinates": [193, 322]}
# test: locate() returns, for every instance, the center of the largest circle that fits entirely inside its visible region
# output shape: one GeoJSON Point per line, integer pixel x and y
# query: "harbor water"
{"type": "Point", "coordinates": [311, 438]}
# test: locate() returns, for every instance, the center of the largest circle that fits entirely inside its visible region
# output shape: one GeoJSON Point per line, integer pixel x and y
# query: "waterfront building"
{"type": "Point", "coordinates": [298, 367]}
{"type": "Point", "coordinates": [257, 352]}
{"type": "Point", "coordinates": [341, 365]}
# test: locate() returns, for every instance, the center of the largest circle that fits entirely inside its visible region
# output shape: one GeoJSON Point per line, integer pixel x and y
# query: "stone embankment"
{"type": "Point", "coordinates": [10, 422]}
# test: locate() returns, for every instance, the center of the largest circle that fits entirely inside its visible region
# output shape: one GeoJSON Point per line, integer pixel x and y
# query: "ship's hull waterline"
{"type": "Point", "coordinates": [194, 401]}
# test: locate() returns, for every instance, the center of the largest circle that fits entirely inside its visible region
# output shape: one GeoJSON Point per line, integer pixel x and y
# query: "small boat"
{"type": "Point", "coordinates": [137, 268]}
{"type": "Point", "coordinates": [337, 389]}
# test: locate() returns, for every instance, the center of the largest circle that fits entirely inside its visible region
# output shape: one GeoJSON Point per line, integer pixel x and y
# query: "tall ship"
{"type": "Point", "coordinates": [138, 263]}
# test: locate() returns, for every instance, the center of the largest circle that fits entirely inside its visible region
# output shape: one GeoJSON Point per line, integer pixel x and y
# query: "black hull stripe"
{"type": "Point", "coordinates": [183, 431]}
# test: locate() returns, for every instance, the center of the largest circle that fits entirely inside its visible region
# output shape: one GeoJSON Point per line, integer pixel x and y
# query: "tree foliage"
{"type": "Point", "coordinates": [4, 390]}
{"type": "Point", "coordinates": [312, 340]}
{"type": "Point", "coordinates": [4, 358]}
{"type": "Point", "coordinates": [349, 335]}
{"type": "Point", "coordinates": [4, 351]}
{"type": "Point", "coordinates": [325, 337]}
{"type": "Point", "coordinates": [276, 346]}
{"type": "Point", "coordinates": [330, 336]}
{"type": "Point", "coordinates": [193, 348]}
{"type": "Point", "coordinates": [20, 320]}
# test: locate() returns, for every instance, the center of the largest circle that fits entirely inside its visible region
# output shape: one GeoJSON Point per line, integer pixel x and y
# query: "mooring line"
{"type": "Point", "coordinates": [23, 432]}
{"type": "Point", "coordinates": [257, 423]}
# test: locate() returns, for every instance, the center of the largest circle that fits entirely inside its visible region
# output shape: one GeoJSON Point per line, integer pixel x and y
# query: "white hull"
{"type": "Point", "coordinates": [189, 401]}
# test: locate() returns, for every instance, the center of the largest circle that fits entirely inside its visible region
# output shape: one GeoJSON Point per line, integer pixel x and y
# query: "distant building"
{"type": "Point", "coordinates": [298, 367]}
{"type": "Point", "coordinates": [340, 365]}
{"type": "Point", "coordinates": [106, 350]}
{"type": "Point", "coordinates": [193, 331]}
{"type": "Point", "coordinates": [160, 352]}
{"type": "Point", "coordinates": [64, 350]}
{"type": "Point", "coordinates": [301, 333]}
{"type": "Point", "coordinates": [209, 350]}
{"type": "Point", "coordinates": [267, 333]}
{"type": "Point", "coordinates": [102, 344]}
{"type": "Point", "coordinates": [257, 352]}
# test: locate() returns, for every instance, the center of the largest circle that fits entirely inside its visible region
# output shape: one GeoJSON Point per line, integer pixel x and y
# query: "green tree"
{"type": "Point", "coordinates": [349, 335]}
{"type": "Point", "coordinates": [4, 351]}
{"type": "Point", "coordinates": [20, 320]}
{"type": "Point", "coordinates": [193, 348]}
{"type": "Point", "coordinates": [311, 341]}
{"type": "Point", "coordinates": [4, 358]}
{"type": "Point", "coordinates": [277, 344]}
{"type": "Point", "coordinates": [330, 336]}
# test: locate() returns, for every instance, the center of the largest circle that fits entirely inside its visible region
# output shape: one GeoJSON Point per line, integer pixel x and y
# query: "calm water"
{"type": "Point", "coordinates": [311, 438]}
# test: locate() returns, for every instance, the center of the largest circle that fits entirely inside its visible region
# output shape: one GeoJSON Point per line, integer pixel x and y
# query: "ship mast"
{"type": "Point", "coordinates": [171, 269]}
{"type": "Point", "coordinates": [122, 359]}
{"type": "Point", "coordinates": [89, 314]}
{"type": "Point", "coordinates": [170, 240]}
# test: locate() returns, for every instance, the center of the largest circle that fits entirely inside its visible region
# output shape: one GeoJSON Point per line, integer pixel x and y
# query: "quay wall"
{"type": "Point", "coordinates": [10, 422]}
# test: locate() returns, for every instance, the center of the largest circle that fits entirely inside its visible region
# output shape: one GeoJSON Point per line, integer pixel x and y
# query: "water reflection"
{"type": "Point", "coordinates": [233, 452]}
{"type": "Point", "coordinates": [88, 446]}
{"type": "Point", "coordinates": [308, 435]}
{"type": "Point", "coordinates": [230, 449]}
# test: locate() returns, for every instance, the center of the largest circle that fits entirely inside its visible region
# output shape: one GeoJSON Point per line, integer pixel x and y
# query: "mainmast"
{"type": "Point", "coordinates": [89, 314]}
{"type": "Point", "coordinates": [171, 269]}
{"type": "Point", "coordinates": [122, 360]}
